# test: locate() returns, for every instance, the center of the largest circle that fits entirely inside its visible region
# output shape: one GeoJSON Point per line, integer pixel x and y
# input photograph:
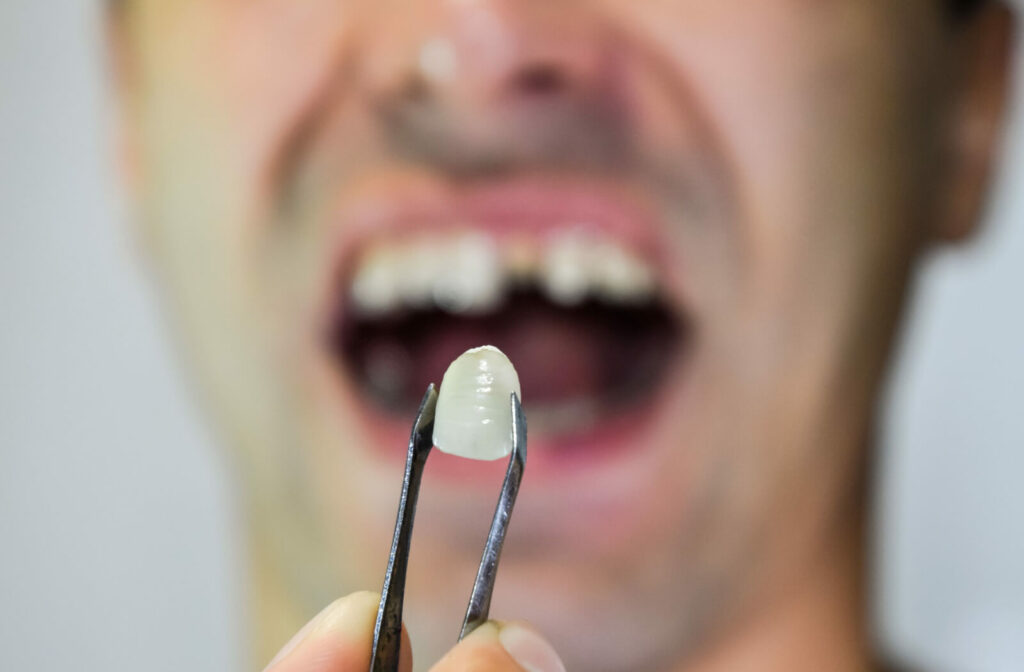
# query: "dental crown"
{"type": "Point", "coordinates": [473, 418]}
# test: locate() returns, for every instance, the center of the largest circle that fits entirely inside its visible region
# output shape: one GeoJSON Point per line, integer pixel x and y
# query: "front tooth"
{"type": "Point", "coordinates": [473, 417]}
{"type": "Point", "coordinates": [470, 278]}
{"type": "Point", "coordinates": [566, 271]}
{"type": "Point", "coordinates": [420, 264]}
{"type": "Point", "coordinates": [374, 287]}
{"type": "Point", "coordinates": [622, 276]}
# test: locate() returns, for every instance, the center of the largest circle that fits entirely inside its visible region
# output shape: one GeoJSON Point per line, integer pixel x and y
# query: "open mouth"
{"type": "Point", "coordinates": [580, 310]}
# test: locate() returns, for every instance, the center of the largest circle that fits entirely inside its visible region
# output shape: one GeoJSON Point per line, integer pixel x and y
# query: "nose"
{"type": "Point", "coordinates": [479, 59]}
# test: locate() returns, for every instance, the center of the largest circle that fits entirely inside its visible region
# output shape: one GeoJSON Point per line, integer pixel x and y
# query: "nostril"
{"type": "Point", "coordinates": [415, 89]}
{"type": "Point", "coordinates": [539, 79]}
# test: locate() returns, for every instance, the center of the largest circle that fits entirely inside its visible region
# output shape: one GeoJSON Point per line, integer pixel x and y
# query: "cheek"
{"type": "Point", "coordinates": [802, 99]}
{"type": "Point", "coordinates": [274, 59]}
{"type": "Point", "coordinates": [805, 101]}
{"type": "Point", "coordinates": [230, 82]}
{"type": "Point", "coordinates": [223, 86]}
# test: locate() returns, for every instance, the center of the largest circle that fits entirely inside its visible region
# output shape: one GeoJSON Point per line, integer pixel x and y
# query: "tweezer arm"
{"type": "Point", "coordinates": [483, 587]}
{"type": "Point", "coordinates": [387, 633]}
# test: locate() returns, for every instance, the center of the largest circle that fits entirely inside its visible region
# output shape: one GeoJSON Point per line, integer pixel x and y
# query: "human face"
{"type": "Point", "coordinates": [340, 196]}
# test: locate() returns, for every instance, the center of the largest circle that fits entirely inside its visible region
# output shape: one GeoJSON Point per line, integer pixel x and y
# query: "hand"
{"type": "Point", "coordinates": [340, 638]}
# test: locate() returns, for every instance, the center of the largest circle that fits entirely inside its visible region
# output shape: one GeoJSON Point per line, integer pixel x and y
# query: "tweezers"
{"type": "Point", "coordinates": [387, 633]}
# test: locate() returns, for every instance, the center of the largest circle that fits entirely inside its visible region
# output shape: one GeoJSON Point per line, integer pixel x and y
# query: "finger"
{"type": "Point", "coordinates": [338, 639]}
{"type": "Point", "coordinates": [502, 647]}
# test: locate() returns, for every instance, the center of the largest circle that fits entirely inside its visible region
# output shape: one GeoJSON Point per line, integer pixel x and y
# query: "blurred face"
{"type": "Point", "coordinates": [688, 224]}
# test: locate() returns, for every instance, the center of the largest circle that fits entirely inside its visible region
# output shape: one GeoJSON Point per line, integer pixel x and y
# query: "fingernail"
{"type": "Point", "coordinates": [530, 650]}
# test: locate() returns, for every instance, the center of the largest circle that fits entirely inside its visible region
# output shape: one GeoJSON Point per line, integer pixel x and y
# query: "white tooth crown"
{"type": "Point", "coordinates": [619, 275]}
{"type": "Point", "coordinates": [419, 266]}
{"type": "Point", "coordinates": [375, 286]}
{"type": "Point", "coordinates": [471, 278]}
{"type": "Point", "coordinates": [473, 417]}
{"type": "Point", "coordinates": [470, 272]}
{"type": "Point", "coordinates": [567, 268]}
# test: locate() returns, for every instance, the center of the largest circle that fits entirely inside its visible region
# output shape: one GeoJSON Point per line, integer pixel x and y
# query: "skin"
{"type": "Point", "coordinates": [811, 152]}
{"type": "Point", "coordinates": [341, 636]}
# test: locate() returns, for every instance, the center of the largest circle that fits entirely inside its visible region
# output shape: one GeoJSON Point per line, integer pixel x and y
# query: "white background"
{"type": "Point", "coordinates": [119, 547]}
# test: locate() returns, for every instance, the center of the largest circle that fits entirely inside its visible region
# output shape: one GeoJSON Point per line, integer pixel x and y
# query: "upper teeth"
{"type": "Point", "coordinates": [469, 271]}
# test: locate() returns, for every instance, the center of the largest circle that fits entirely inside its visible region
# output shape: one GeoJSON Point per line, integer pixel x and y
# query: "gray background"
{"type": "Point", "coordinates": [119, 547]}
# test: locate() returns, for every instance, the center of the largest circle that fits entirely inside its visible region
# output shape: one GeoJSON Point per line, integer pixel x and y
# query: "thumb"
{"type": "Point", "coordinates": [338, 639]}
{"type": "Point", "coordinates": [502, 647]}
